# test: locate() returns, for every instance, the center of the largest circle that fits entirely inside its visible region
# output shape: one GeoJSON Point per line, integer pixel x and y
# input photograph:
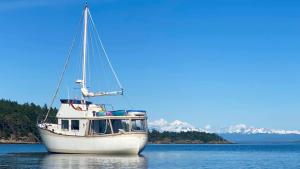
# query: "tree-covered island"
{"type": "Point", "coordinates": [18, 125]}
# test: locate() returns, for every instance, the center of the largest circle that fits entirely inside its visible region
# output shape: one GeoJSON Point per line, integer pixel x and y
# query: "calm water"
{"type": "Point", "coordinates": [159, 156]}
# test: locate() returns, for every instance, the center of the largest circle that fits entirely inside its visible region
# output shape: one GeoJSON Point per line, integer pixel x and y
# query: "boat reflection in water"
{"type": "Point", "coordinates": [66, 161]}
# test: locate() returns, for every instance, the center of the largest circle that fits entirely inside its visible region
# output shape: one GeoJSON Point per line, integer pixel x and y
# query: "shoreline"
{"type": "Point", "coordinates": [189, 143]}
{"type": "Point", "coordinates": [19, 142]}
{"type": "Point", "coordinates": [4, 141]}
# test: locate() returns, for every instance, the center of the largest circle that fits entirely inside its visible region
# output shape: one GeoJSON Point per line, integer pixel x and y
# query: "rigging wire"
{"type": "Point", "coordinates": [104, 80]}
{"type": "Point", "coordinates": [103, 70]}
{"type": "Point", "coordinates": [63, 72]}
{"type": "Point", "coordinates": [108, 60]}
{"type": "Point", "coordinates": [95, 51]}
{"type": "Point", "coordinates": [104, 51]}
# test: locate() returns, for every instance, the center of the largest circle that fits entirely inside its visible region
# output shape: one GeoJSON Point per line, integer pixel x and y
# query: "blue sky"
{"type": "Point", "coordinates": [210, 62]}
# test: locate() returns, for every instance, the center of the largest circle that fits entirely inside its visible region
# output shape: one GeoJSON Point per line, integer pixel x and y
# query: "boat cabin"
{"type": "Point", "coordinates": [83, 118]}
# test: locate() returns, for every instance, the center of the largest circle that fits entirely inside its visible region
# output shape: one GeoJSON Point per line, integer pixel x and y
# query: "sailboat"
{"type": "Point", "coordinates": [86, 127]}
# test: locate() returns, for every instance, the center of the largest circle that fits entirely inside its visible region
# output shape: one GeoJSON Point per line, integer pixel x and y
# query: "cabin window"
{"type": "Point", "coordinates": [65, 124]}
{"type": "Point", "coordinates": [100, 127]}
{"type": "Point", "coordinates": [120, 125]}
{"type": "Point", "coordinates": [75, 125]}
{"type": "Point", "coordinates": [138, 125]}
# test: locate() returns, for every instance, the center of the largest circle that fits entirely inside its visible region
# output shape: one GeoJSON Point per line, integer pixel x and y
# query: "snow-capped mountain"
{"type": "Point", "coordinates": [178, 126]}
{"type": "Point", "coordinates": [175, 126]}
{"type": "Point", "coordinates": [244, 129]}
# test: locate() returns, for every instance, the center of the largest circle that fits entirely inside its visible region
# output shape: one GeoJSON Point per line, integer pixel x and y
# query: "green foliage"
{"type": "Point", "coordinates": [19, 121]}
{"type": "Point", "coordinates": [184, 137]}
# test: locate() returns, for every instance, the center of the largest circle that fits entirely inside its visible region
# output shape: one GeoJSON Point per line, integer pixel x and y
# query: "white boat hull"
{"type": "Point", "coordinates": [129, 143]}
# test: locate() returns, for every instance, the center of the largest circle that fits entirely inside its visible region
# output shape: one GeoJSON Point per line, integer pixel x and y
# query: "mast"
{"type": "Point", "coordinates": [84, 46]}
{"type": "Point", "coordinates": [85, 92]}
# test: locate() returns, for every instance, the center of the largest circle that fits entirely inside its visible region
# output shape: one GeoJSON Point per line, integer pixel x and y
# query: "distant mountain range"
{"type": "Point", "coordinates": [177, 126]}
{"type": "Point", "coordinates": [240, 133]}
{"type": "Point", "coordinates": [244, 129]}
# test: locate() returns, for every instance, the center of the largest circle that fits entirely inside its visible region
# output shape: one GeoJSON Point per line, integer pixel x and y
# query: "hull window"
{"type": "Point", "coordinates": [74, 124]}
{"type": "Point", "coordinates": [100, 127]}
{"type": "Point", "coordinates": [65, 124]}
{"type": "Point", "coordinates": [138, 125]}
